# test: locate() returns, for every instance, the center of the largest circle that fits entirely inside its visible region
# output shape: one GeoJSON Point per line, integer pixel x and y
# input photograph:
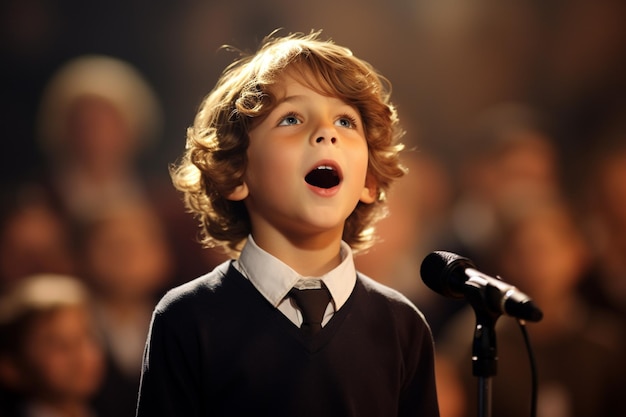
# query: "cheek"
{"type": "Point", "coordinates": [360, 163]}
{"type": "Point", "coordinates": [270, 166]}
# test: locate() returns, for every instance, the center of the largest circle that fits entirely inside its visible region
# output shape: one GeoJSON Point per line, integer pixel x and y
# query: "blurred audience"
{"type": "Point", "coordinates": [93, 211]}
{"type": "Point", "coordinates": [51, 360]}
{"type": "Point", "coordinates": [507, 155]}
{"type": "Point", "coordinates": [578, 347]}
{"type": "Point", "coordinates": [125, 257]}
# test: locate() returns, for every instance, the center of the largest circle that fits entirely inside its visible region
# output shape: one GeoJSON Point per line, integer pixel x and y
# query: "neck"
{"type": "Point", "coordinates": [308, 256]}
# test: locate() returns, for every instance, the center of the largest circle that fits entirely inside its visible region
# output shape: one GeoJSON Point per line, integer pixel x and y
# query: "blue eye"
{"type": "Point", "coordinates": [289, 120]}
{"type": "Point", "coordinates": [347, 121]}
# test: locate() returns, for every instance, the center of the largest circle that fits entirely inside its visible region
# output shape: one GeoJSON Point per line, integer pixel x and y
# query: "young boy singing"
{"type": "Point", "coordinates": [286, 166]}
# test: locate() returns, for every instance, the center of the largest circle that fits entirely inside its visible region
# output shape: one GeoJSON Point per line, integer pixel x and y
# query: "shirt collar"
{"type": "Point", "coordinates": [273, 278]}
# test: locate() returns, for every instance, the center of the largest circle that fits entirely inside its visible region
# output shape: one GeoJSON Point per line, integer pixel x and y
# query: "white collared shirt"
{"type": "Point", "coordinates": [273, 279]}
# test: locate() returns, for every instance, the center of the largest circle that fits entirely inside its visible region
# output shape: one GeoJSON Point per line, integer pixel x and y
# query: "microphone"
{"type": "Point", "coordinates": [454, 276]}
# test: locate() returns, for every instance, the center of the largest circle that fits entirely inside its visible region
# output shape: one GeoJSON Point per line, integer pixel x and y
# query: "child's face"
{"type": "Point", "coordinates": [307, 164]}
{"type": "Point", "coordinates": [62, 357]}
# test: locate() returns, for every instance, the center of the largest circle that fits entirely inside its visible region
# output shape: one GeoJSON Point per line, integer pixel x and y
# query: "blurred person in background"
{"type": "Point", "coordinates": [126, 259]}
{"type": "Point", "coordinates": [51, 360]}
{"type": "Point", "coordinates": [35, 235]}
{"type": "Point", "coordinates": [578, 348]}
{"type": "Point", "coordinates": [98, 117]}
{"type": "Point", "coordinates": [605, 210]}
{"type": "Point", "coordinates": [508, 153]}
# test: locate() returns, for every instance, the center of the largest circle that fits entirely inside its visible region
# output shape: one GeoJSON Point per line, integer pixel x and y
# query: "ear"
{"type": "Point", "coordinates": [370, 190]}
{"type": "Point", "coordinates": [239, 193]}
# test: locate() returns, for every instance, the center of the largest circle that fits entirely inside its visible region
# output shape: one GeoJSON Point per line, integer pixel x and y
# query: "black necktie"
{"type": "Point", "coordinates": [312, 304]}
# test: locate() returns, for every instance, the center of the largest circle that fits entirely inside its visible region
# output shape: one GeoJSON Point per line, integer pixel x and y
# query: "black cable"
{"type": "Point", "coordinates": [533, 369]}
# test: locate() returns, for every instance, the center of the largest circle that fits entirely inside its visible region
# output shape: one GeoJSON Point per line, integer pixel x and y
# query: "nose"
{"type": "Point", "coordinates": [321, 139]}
{"type": "Point", "coordinates": [325, 133]}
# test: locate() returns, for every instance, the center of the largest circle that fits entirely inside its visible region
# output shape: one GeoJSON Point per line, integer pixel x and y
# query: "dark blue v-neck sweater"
{"type": "Point", "coordinates": [217, 347]}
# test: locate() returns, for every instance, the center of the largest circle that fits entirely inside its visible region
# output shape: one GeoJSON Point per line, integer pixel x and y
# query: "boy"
{"type": "Point", "coordinates": [287, 165]}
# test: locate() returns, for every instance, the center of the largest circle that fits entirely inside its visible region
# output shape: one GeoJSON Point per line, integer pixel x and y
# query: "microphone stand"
{"type": "Point", "coordinates": [484, 348]}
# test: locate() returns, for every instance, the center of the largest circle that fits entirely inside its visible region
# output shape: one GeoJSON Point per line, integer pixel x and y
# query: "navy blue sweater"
{"type": "Point", "coordinates": [217, 347]}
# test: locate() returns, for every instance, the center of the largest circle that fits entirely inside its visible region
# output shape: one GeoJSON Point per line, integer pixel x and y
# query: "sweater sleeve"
{"type": "Point", "coordinates": [170, 384]}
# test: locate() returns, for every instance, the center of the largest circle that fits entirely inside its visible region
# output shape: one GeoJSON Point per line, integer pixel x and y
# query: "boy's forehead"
{"type": "Point", "coordinates": [285, 81]}
{"type": "Point", "coordinates": [290, 74]}
{"type": "Point", "coordinates": [300, 76]}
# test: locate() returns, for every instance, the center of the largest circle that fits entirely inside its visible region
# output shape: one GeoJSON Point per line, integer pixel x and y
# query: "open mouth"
{"type": "Point", "coordinates": [323, 176]}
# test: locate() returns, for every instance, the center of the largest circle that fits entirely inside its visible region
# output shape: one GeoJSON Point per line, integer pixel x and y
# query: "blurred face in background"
{"type": "Point", "coordinates": [98, 134]}
{"type": "Point", "coordinates": [62, 357]}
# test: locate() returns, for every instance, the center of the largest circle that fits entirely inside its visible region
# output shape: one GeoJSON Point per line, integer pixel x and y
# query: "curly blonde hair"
{"type": "Point", "coordinates": [215, 160]}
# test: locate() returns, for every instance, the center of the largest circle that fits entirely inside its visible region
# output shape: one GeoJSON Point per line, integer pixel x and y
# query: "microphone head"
{"type": "Point", "coordinates": [526, 310]}
{"type": "Point", "coordinates": [444, 273]}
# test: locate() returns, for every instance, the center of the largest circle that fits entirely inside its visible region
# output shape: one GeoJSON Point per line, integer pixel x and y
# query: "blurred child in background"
{"type": "Point", "coordinates": [127, 261]}
{"type": "Point", "coordinates": [51, 360]}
